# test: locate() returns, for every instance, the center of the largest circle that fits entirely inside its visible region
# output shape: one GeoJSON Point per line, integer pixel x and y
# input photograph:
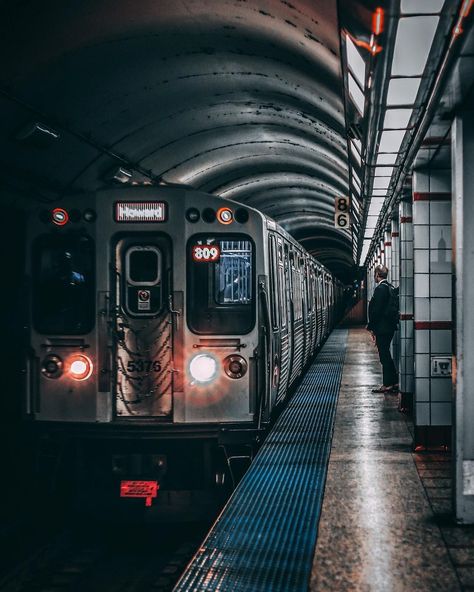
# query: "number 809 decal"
{"type": "Point", "coordinates": [206, 253]}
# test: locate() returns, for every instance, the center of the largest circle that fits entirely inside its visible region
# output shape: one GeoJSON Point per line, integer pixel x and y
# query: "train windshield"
{"type": "Point", "coordinates": [63, 285]}
{"type": "Point", "coordinates": [221, 285]}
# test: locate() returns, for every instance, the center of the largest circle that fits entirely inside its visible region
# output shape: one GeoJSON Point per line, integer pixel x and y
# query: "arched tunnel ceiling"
{"type": "Point", "coordinates": [241, 98]}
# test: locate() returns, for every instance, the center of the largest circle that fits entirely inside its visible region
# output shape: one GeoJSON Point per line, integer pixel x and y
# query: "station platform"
{"type": "Point", "coordinates": [339, 501]}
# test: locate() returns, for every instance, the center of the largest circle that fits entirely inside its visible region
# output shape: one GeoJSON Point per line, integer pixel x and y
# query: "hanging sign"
{"type": "Point", "coordinates": [342, 214]}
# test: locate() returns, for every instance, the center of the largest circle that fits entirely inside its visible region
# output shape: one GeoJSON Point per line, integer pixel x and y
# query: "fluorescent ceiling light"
{"type": "Point", "coordinates": [383, 171]}
{"type": "Point", "coordinates": [421, 6]}
{"type": "Point", "coordinates": [355, 176]}
{"type": "Point", "coordinates": [356, 94]}
{"type": "Point", "coordinates": [355, 61]}
{"type": "Point", "coordinates": [402, 91]}
{"type": "Point", "coordinates": [371, 221]}
{"type": "Point", "coordinates": [377, 201]}
{"type": "Point", "coordinates": [391, 140]}
{"type": "Point", "coordinates": [358, 144]}
{"type": "Point", "coordinates": [397, 118]}
{"type": "Point", "coordinates": [413, 45]}
{"type": "Point", "coordinates": [355, 154]}
{"type": "Point", "coordinates": [365, 250]}
{"type": "Point", "coordinates": [387, 158]}
{"type": "Point", "coordinates": [381, 182]}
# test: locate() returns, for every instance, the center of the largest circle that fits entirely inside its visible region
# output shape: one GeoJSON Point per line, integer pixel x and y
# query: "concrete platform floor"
{"type": "Point", "coordinates": [387, 522]}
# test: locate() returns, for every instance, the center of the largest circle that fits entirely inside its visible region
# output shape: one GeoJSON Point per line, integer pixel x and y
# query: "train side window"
{"type": "Point", "coordinates": [221, 284]}
{"type": "Point", "coordinates": [63, 284]}
{"type": "Point", "coordinates": [281, 284]}
{"type": "Point", "coordinates": [274, 292]}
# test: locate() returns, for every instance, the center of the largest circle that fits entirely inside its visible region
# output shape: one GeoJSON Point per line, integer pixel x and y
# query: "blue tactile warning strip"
{"type": "Point", "coordinates": [265, 537]}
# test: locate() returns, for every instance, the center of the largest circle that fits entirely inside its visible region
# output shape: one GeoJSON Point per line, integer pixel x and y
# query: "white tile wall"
{"type": "Point", "coordinates": [440, 309]}
{"type": "Point", "coordinates": [440, 212]}
{"type": "Point", "coordinates": [422, 414]}
{"type": "Point", "coordinates": [433, 294]}
{"type": "Point", "coordinates": [441, 341]}
{"type": "Point", "coordinates": [421, 212]}
{"type": "Point", "coordinates": [423, 341]}
{"type": "Point", "coordinates": [422, 260]}
{"type": "Point", "coordinates": [441, 413]}
{"type": "Point", "coordinates": [440, 237]}
{"type": "Point", "coordinates": [421, 237]}
{"type": "Point", "coordinates": [440, 261]}
{"type": "Point", "coordinates": [422, 387]}
{"type": "Point", "coordinates": [441, 389]}
{"type": "Point", "coordinates": [422, 309]}
{"type": "Point", "coordinates": [441, 285]}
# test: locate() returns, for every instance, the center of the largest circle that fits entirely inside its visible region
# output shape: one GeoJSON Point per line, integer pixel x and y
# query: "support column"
{"type": "Point", "coordinates": [463, 256]}
{"type": "Point", "coordinates": [395, 279]}
{"type": "Point", "coordinates": [387, 245]}
{"type": "Point", "coordinates": [406, 364]}
{"type": "Point", "coordinates": [433, 307]}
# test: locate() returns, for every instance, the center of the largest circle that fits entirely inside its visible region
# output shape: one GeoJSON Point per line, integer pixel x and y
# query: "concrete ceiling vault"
{"type": "Point", "coordinates": [241, 98]}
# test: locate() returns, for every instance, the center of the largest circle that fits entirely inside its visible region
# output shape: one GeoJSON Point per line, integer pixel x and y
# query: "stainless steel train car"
{"type": "Point", "coordinates": [161, 316]}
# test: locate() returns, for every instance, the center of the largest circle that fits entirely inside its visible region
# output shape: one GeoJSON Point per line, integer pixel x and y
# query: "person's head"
{"type": "Point", "coordinates": [380, 273]}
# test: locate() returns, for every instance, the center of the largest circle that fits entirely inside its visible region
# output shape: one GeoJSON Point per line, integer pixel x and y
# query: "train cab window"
{"type": "Point", "coordinates": [143, 265]}
{"type": "Point", "coordinates": [63, 285]}
{"type": "Point", "coordinates": [233, 273]}
{"type": "Point", "coordinates": [221, 286]}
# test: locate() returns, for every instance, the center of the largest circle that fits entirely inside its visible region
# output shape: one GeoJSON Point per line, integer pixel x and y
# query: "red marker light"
{"type": "Point", "coordinates": [80, 367]}
{"type": "Point", "coordinates": [377, 21]}
{"type": "Point", "coordinates": [225, 215]}
{"type": "Point", "coordinates": [60, 217]}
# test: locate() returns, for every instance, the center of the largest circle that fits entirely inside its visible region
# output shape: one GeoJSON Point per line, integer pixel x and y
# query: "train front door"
{"type": "Point", "coordinates": [142, 327]}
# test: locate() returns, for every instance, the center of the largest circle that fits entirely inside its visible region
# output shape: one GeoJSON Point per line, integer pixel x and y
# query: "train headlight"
{"type": "Point", "coordinates": [52, 366]}
{"type": "Point", "coordinates": [80, 367]}
{"type": "Point", "coordinates": [235, 366]}
{"type": "Point", "coordinates": [203, 368]}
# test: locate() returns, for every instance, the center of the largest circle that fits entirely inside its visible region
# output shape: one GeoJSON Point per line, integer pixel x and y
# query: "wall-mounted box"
{"type": "Point", "coordinates": [440, 366]}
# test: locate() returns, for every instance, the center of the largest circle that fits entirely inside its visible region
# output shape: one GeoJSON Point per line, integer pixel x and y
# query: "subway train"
{"type": "Point", "coordinates": [166, 328]}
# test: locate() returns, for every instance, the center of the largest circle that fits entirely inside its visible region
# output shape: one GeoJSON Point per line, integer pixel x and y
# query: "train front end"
{"type": "Point", "coordinates": [143, 320]}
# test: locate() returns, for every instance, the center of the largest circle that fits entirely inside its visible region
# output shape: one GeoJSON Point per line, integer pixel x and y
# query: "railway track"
{"type": "Point", "coordinates": [116, 559]}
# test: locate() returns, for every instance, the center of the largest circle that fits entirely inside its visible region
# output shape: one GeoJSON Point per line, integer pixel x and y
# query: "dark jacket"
{"type": "Point", "coordinates": [378, 322]}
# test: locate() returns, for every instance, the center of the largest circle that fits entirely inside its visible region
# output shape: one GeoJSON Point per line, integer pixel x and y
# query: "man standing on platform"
{"type": "Point", "coordinates": [383, 320]}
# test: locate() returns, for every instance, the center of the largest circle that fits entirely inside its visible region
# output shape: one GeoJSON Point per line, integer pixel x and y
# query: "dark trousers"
{"type": "Point", "coordinates": [390, 374]}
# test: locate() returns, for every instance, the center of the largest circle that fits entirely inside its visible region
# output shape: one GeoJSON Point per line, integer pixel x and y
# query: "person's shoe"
{"type": "Point", "coordinates": [382, 389]}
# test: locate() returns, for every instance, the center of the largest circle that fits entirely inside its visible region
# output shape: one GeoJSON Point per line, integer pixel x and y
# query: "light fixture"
{"type": "Point", "coordinates": [355, 61]}
{"type": "Point", "coordinates": [413, 44]}
{"type": "Point", "coordinates": [59, 216]}
{"type": "Point", "coordinates": [203, 368]}
{"type": "Point", "coordinates": [356, 94]}
{"type": "Point", "coordinates": [80, 367]}
{"type": "Point", "coordinates": [120, 175]}
{"type": "Point", "coordinates": [225, 215]}
{"type": "Point", "coordinates": [402, 91]}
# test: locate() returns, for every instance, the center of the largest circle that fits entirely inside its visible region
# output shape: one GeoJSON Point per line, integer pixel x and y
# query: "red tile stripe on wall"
{"type": "Point", "coordinates": [431, 196]}
{"type": "Point", "coordinates": [433, 325]}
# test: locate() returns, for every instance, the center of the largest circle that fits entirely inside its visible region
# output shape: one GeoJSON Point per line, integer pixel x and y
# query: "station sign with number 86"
{"type": "Point", "coordinates": [342, 217]}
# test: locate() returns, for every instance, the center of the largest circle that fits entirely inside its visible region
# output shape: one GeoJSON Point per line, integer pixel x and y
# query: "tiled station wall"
{"type": "Point", "coordinates": [406, 360]}
{"type": "Point", "coordinates": [432, 258]}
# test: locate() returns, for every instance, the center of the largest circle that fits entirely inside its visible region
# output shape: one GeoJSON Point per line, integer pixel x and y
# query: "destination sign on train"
{"type": "Point", "coordinates": [133, 211]}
